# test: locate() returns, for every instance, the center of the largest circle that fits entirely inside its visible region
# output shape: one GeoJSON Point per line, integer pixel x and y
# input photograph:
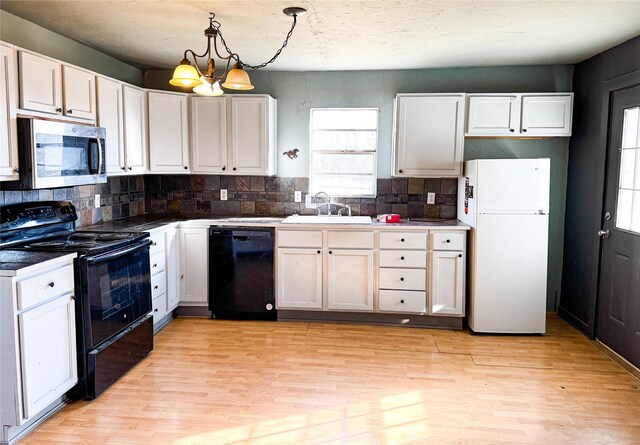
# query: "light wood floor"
{"type": "Point", "coordinates": [219, 382]}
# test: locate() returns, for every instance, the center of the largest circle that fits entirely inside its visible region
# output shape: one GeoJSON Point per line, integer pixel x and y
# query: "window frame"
{"type": "Point", "coordinates": [374, 152]}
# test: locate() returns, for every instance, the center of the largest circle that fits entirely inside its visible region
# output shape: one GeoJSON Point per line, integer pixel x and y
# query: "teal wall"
{"type": "Point", "coordinates": [30, 36]}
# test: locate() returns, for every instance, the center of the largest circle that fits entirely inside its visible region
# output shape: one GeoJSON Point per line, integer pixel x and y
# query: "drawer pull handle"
{"type": "Point", "coordinates": [402, 240]}
{"type": "Point", "coordinates": [51, 284]}
{"type": "Point", "coordinates": [155, 287]}
{"type": "Point", "coordinates": [402, 258]}
{"type": "Point", "coordinates": [155, 310]}
{"type": "Point", "coordinates": [155, 265]}
{"type": "Point", "coordinates": [154, 244]}
{"type": "Point", "coordinates": [401, 279]}
{"type": "Point", "coordinates": [402, 301]}
{"type": "Point", "coordinates": [318, 251]}
{"type": "Point", "coordinates": [448, 241]}
{"type": "Point", "coordinates": [459, 255]}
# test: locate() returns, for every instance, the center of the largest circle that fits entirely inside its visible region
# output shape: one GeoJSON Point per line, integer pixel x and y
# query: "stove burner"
{"type": "Point", "coordinates": [48, 244]}
{"type": "Point", "coordinates": [101, 236]}
{"type": "Point", "coordinates": [82, 235]}
{"type": "Point", "coordinates": [63, 244]}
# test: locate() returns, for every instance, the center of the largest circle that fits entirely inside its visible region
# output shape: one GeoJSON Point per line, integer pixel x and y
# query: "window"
{"type": "Point", "coordinates": [628, 211]}
{"type": "Point", "coordinates": [343, 151]}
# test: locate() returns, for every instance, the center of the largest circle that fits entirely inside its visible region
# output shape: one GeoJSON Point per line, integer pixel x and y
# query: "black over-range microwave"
{"type": "Point", "coordinates": [58, 154]}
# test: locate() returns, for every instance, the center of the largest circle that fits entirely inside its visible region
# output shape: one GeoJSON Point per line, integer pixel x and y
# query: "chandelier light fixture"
{"type": "Point", "coordinates": [207, 83]}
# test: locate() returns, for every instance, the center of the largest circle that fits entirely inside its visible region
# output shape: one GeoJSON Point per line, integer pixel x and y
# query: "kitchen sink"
{"type": "Point", "coordinates": [326, 219]}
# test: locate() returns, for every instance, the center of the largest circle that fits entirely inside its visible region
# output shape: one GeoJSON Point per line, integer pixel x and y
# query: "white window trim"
{"type": "Point", "coordinates": [375, 152]}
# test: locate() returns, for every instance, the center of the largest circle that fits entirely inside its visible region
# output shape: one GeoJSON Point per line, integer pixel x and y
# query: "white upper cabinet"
{"type": "Point", "coordinates": [168, 132]}
{"type": "Point", "coordinates": [111, 117]}
{"type": "Point", "coordinates": [520, 115]}
{"type": "Point", "coordinates": [40, 83]}
{"type": "Point", "coordinates": [79, 93]}
{"type": "Point", "coordinates": [135, 129]}
{"type": "Point", "coordinates": [48, 86]}
{"type": "Point", "coordinates": [8, 101]}
{"type": "Point", "coordinates": [429, 135]}
{"type": "Point", "coordinates": [209, 134]}
{"type": "Point", "coordinates": [234, 134]}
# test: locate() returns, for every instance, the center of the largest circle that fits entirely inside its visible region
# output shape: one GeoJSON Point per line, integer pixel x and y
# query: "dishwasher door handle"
{"type": "Point", "coordinates": [241, 238]}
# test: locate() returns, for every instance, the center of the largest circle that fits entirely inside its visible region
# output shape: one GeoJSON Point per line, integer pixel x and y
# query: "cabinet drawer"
{"type": "Point", "coordinates": [157, 242]}
{"type": "Point", "coordinates": [50, 284]}
{"type": "Point", "coordinates": [300, 238]}
{"type": "Point", "coordinates": [402, 301]}
{"type": "Point", "coordinates": [158, 285]}
{"type": "Point", "coordinates": [403, 258]}
{"type": "Point", "coordinates": [403, 240]}
{"type": "Point", "coordinates": [403, 279]}
{"type": "Point", "coordinates": [157, 261]}
{"type": "Point", "coordinates": [349, 240]}
{"type": "Point", "coordinates": [447, 241]}
{"type": "Point", "coordinates": [159, 305]}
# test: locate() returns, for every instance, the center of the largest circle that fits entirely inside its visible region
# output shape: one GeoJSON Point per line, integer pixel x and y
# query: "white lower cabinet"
{"type": "Point", "coordinates": [350, 280]}
{"type": "Point", "coordinates": [163, 264]}
{"type": "Point", "coordinates": [38, 339]}
{"type": "Point", "coordinates": [446, 292]}
{"type": "Point", "coordinates": [194, 266]}
{"type": "Point", "coordinates": [299, 278]}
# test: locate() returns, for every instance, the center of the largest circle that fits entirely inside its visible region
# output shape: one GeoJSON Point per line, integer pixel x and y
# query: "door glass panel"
{"type": "Point", "coordinates": [628, 207]}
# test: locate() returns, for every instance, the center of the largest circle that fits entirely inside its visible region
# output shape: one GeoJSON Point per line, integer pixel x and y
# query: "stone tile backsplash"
{"type": "Point", "coordinates": [273, 196]}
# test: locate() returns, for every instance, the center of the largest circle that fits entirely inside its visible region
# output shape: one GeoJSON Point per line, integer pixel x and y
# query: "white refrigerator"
{"type": "Point", "coordinates": [506, 203]}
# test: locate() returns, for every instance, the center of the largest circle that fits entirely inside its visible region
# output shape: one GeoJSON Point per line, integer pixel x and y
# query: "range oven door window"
{"type": "Point", "coordinates": [118, 291]}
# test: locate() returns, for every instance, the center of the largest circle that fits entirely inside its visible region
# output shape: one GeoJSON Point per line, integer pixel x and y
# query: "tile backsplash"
{"type": "Point", "coordinates": [274, 196]}
{"type": "Point", "coordinates": [121, 197]}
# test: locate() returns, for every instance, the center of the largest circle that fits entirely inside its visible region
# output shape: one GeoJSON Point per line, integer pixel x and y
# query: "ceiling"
{"type": "Point", "coordinates": [345, 35]}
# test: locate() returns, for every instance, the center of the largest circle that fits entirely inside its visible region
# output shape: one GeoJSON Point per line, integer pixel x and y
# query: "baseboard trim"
{"type": "Point", "coordinates": [620, 360]}
{"type": "Point", "coordinates": [574, 321]}
{"type": "Point", "coordinates": [413, 320]}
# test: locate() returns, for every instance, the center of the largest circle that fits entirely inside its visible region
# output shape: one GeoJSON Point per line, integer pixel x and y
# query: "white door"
{"type": "Point", "coordinates": [194, 266]}
{"type": "Point", "coordinates": [429, 135]}
{"type": "Point", "coordinates": [135, 130]}
{"type": "Point", "coordinates": [511, 186]}
{"type": "Point", "coordinates": [8, 105]}
{"type": "Point", "coordinates": [350, 280]}
{"type": "Point", "coordinates": [249, 138]}
{"type": "Point", "coordinates": [299, 280]}
{"type": "Point", "coordinates": [497, 115]}
{"type": "Point", "coordinates": [168, 133]}
{"type": "Point", "coordinates": [47, 353]}
{"type": "Point", "coordinates": [446, 294]}
{"type": "Point", "coordinates": [79, 93]}
{"type": "Point", "coordinates": [172, 268]}
{"type": "Point", "coordinates": [40, 84]}
{"type": "Point", "coordinates": [110, 116]}
{"type": "Point", "coordinates": [209, 135]}
{"type": "Point", "coordinates": [546, 115]}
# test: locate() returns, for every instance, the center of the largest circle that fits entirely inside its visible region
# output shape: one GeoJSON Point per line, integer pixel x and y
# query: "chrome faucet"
{"type": "Point", "coordinates": [327, 203]}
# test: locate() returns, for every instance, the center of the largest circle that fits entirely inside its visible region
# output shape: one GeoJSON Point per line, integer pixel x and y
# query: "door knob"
{"type": "Point", "coordinates": [604, 233]}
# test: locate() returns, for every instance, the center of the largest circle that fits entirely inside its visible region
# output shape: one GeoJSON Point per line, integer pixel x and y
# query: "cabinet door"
{"type": "Point", "coordinates": [79, 93]}
{"type": "Point", "coordinates": [110, 116]}
{"type": "Point", "coordinates": [546, 115]}
{"type": "Point", "coordinates": [209, 135]}
{"type": "Point", "coordinates": [47, 353]}
{"type": "Point", "coordinates": [135, 130]}
{"type": "Point", "coordinates": [249, 138]}
{"type": "Point", "coordinates": [8, 104]}
{"type": "Point", "coordinates": [493, 115]}
{"type": "Point", "coordinates": [350, 280]}
{"type": "Point", "coordinates": [194, 266]}
{"type": "Point", "coordinates": [446, 296]}
{"type": "Point", "coordinates": [40, 84]}
{"type": "Point", "coordinates": [429, 135]}
{"type": "Point", "coordinates": [299, 279]}
{"type": "Point", "coordinates": [168, 133]}
{"type": "Point", "coordinates": [172, 269]}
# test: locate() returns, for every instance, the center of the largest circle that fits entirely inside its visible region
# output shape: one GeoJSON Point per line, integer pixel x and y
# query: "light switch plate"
{"type": "Point", "coordinates": [297, 196]}
{"type": "Point", "coordinates": [96, 202]}
{"type": "Point", "coordinates": [223, 194]}
{"type": "Point", "coordinates": [431, 198]}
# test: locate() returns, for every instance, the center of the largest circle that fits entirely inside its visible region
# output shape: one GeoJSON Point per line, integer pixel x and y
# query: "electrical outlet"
{"type": "Point", "coordinates": [97, 201]}
{"type": "Point", "coordinates": [223, 194]}
{"type": "Point", "coordinates": [297, 196]}
{"type": "Point", "coordinates": [431, 198]}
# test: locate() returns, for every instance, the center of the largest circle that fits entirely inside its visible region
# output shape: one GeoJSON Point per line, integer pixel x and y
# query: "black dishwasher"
{"type": "Point", "coordinates": [241, 273]}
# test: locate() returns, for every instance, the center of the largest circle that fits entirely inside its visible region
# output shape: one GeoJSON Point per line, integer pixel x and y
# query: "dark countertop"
{"type": "Point", "coordinates": [12, 260]}
{"type": "Point", "coordinates": [142, 223]}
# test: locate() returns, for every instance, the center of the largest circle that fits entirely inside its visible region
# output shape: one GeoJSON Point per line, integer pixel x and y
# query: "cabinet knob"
{"type": "Point", "coordinates": [234, 169]}
{"type": "Point", "coordinates": [402, 240]}
{"type": "Point", "coordinates": [402, 258]}
{"type": "Point", "coordinates": [155, 310]}
{"type": "Point", "coordinates": [182, 277]}
{"type": "Point", "coordinates": [69, 111]}
{"type": "Point", "coordinates": [448, 241]}
{"type": "Point", "coordinates": [124, 169]}
{"type": "Point", "coordinates": [318, 251]}
{"type": "Point", "coordinates": [511, 130]}
{"type": "Point", "coordinates": [330, 252]}
{"type": "Point", "coordinates": [130, 168]}
{"type": "Point", "coordinates": [58, 110]}
{"type": "Point", "coordinates": [155, 287]}
{"type": "Point", "coordinates": [399, 171]}
{"type": "Point", "coordinates": [401, 278]}
{"type": "Point", "coordinates": [186, 168]}
{"type": "Point", "coordinates": [224, 168]}
{"type": "Point", "coordinates": [16, 170]}
{"type": "Point", "coordinates": [154, 244]}
{"type": "Point", "coordinates": [155, 265]}
{"type": "Point", "coordinates": [524, 130]}
{"type": "Point", "coordinates": [402, 301]}
{"type": "Point", "coordinates": [459, 255]}
{"type": "Point", "coordinates": [51, 284]}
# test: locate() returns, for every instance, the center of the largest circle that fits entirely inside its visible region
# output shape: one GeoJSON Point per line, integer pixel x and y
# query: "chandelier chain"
{"type": "Point", "coordinates": [275, 56]}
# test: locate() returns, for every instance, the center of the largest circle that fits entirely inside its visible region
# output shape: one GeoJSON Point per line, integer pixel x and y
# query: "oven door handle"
{"type": "Point", "coordinates": [120, 253]}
